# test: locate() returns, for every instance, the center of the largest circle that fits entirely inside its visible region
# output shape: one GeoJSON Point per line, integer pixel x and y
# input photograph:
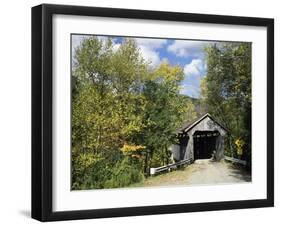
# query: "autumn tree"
{"type": "Point", "coordinates": [124, 113]}
{"type": "Point", "coordinates": [107, 103]}
{"type": "Point", "coordinates": [226, 90]}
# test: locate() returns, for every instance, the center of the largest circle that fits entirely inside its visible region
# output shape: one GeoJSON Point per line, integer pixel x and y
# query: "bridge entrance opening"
{"type": "Point", "coordinates": [204, 144]}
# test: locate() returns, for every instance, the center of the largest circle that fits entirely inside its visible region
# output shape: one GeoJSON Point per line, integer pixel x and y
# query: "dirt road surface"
{"type": "Point", "coordinates": [201, 172]}
{"type": "Point", "coordinates": [209, 172]}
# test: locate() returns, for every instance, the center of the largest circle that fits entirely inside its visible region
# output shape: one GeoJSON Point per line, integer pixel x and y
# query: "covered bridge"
{"type": "Point", "coordinates": [200, 139]}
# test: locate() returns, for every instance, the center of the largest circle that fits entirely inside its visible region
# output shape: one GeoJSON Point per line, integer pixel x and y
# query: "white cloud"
{"type": "Point", "coordinates": [185, 48]}
{"type": "Point", "coordinates": [115, 46]}
{"type": "Point", "coordinates": [196, 67]}
{"type": "Point", "coordinates": [151, 56]}
{"type": "Point", "coordinates": [151, 43]}
{"type": "Point", "coordinates": [148, 49]}
{"type": "Point", "coordinates": [190, 90]}
{"type": "Point", "coordinates": [104, 39]}
{"type": "Point", "coordinates": [193, 73]}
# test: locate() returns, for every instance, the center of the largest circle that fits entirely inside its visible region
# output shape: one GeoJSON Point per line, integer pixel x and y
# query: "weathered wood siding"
{"type": "Point", "coordinates": [206, 124]}
{"type": "Point", "coordinates": [175, 149]}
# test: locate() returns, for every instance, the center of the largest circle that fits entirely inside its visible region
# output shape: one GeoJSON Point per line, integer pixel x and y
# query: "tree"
{"type": "Point", "coordinates": [165, 111]}
{"type": "Point", "coordinates": [124, 113]}
{"type": "Point", "coordinates": [107, 102]}
{"type": "Point", "coordinates": [226, 89]}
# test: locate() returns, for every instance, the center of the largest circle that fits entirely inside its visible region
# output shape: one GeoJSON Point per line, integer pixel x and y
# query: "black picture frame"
{"type": "Point", "coordinates": [42, 84]}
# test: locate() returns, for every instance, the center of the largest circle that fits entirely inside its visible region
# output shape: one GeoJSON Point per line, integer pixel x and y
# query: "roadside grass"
{"type": "Point", "coordinates": [175, 177]}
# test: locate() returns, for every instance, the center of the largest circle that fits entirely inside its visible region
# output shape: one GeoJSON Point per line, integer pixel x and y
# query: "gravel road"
{"type": "Point", "coordinates": [209, 172]}
{"type": "Point", "coordinates": [200, 172]}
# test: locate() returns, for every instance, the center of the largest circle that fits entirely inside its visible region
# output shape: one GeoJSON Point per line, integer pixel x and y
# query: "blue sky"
{"type": "Point", "coordinates": [188, 54]}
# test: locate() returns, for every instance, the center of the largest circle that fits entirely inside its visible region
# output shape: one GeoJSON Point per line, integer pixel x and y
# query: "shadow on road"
{"type": "Point", "coordinates": [240, 173]}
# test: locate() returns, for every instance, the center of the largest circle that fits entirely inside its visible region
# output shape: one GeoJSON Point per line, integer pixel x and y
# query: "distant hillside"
{"type": "Point", "coordinates": [197, 104]}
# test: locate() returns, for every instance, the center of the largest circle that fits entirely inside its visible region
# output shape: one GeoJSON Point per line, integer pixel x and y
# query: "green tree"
{"type": "Point", "coordinates": [226, 90]}
{"type": "Point", "coordinates": [164, 113]}
{"type": "Point", "coordinates": [124, 113]}
{"type": "Point", "coordinates": [107, 102]}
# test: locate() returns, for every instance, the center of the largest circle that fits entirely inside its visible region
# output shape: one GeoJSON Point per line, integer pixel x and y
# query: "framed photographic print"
{"type": "Point", "coordinates": [146, 112]}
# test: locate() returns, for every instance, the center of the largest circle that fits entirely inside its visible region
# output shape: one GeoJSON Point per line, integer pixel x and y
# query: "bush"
{"type": "Point", "coordinates": [91, 171]}
{"type": "Point", "coordinates": [82, 165]}
{"type": "Point", "coordinates": [161, 157]}
{"type": "Point", "coordinates": [126, 172]}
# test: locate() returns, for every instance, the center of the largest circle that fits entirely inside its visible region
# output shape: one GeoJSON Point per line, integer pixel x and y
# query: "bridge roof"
{"type": "Point", "coordinates": [189, 125]}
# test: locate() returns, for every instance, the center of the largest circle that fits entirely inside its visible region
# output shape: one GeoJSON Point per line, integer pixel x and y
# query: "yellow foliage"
{"type": "Point", "coordinates": [239, 144]}
{"type": "Point", "coordinates": [128, 149]}
{"type": "Point", "coordinates": [168, 72]}
{"type": "Point", "coordinates": [137, 156]}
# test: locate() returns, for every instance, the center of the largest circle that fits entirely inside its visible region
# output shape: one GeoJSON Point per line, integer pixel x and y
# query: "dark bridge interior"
{"type": "Point", "coordinates": [204, 144]}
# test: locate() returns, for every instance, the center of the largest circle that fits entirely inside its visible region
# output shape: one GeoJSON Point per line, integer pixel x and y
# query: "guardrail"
{"type": "Point", "coordinates": [231, 159]}
{"type": "Point", "coordinates": [168, 167]}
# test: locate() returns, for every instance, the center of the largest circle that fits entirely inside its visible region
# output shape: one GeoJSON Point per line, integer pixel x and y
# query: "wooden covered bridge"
{"type": "Point", "coordinates": [200, 139]}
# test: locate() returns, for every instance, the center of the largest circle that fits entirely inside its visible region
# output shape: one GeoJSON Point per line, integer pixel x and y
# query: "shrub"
{"type": "Point", "coordinates": [91, 171]}
{"type": "Point", "coordinates": [82, 165]}
{"type": "Point", "coordinates": [126, 172]}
